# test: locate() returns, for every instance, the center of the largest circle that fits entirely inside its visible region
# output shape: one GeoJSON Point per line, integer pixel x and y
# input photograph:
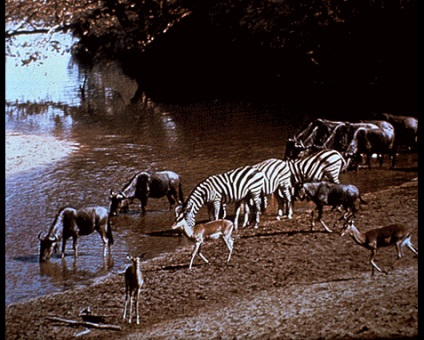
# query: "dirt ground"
{"type": "Point", "coordinates": [283, 282]}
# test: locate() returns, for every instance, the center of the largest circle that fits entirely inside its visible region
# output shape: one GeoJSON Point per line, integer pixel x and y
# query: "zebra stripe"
{"type": "Point", "coordinates": [277, 175]}
{"type": "Point", "coordinates": [232, 186]}
{"type": "Point", "coordinates": [322, 164]}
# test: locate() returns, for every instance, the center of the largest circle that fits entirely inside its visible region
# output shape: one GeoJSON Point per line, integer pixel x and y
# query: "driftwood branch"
{"type": "Point", "coordinates": [84, 323]}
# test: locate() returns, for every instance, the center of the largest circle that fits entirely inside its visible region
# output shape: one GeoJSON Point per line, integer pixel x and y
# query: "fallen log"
{"type": "Point", "coordinates": [84, 323]}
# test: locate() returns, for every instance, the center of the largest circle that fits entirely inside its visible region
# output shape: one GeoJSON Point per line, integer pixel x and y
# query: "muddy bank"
{"type": "Point", "coordinates": [283, 281]}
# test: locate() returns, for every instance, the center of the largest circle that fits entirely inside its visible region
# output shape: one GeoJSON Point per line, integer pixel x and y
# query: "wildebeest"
{"type": "Point", "coordinates": [406, 130]}
{"type": "Point", "coordinates": [375, 136]}
{"type": "Point", "coordinates": [70, 222]}
{"type": "Point", "coordinates": [370, 140]}
{"type": "Point", "coordinates": [147, 184]}
{"type": "Point", "coordinates": [331, 194]}
{"type": "Point", "coordinates": [314, 135]}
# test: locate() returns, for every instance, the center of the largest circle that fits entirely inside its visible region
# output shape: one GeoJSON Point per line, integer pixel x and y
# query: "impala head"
{"type": "Point", "coordinates": [47, 244]}
{"type": "Point", "coordinates": [347, 226]}
{"type": "Point", "coordinates": [135, 259]}
{"type": "Point", "coordinates": [117, 202]}
{"type": "Point", "coordinates": [182, 216]}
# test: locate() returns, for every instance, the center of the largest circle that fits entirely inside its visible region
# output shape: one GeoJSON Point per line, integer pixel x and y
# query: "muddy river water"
{"type": "Point", "coordinates": [105, 140]}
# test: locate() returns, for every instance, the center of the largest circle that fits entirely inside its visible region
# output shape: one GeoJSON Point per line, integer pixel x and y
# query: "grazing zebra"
{"type": "Point", "coordinates": [230, 187]}
{"type": "Point", "coordinates": [276, 176]}
{"type": "Point", "coordinates": [325, 164]}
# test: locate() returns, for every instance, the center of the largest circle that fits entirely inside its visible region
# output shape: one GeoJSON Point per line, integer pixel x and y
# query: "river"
{"type": "Point", "coordinates": [73, 151]}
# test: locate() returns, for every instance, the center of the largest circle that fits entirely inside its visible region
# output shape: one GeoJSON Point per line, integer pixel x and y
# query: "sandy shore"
{"type": "Point", "coordinates": [26, 152]}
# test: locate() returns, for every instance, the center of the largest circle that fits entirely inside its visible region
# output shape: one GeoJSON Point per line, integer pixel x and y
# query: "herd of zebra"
{"type": "Point", "coordinates": [251, 184]}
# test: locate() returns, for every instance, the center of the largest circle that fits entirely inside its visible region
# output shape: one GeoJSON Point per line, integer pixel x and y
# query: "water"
{"type": "Point", "coordinates": [107, 140]}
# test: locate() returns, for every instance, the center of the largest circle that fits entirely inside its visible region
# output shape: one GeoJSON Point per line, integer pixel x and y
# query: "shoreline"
{"type": "Point", "coordinates": [277, 284]}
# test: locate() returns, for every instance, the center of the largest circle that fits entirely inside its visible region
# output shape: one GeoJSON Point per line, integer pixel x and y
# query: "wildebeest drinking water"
{"type": "Point", "coordinates": [144, 185]}
{"type": "Point", "coordinates": [70, 222]}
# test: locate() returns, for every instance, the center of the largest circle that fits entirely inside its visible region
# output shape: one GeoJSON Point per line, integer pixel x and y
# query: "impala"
{"type": "Point", "coordinates": [397, 234]}
{"type": "Point", "coordinates": [133, 283]}
{"type": "Point", "coordinates": [201, 232]}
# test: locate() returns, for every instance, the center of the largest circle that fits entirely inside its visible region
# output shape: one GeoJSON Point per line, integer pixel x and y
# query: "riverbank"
{"type": "Point", "coordinates": [283, 281]}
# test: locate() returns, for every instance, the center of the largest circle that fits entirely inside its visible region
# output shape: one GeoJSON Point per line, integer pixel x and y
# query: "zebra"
{"type": "Point", "coordinates": [232, 186]}
{"type": "Point", "coordinates": [276, 176]}
{"type": "Point", "coordinates": [324, 164]}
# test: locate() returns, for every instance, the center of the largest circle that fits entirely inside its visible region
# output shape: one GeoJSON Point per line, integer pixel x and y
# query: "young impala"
{"type": "Point", "coordinates": [211, 230]}
{"type": "Point", "coordinates": [133, 283]}
{"type": "Point", "coordinates": [396, 234]}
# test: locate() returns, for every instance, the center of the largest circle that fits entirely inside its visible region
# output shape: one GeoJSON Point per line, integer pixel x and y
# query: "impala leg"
{"type": "Point", "coordinates": [203, 258]}
{"type": "Point", "coordinates": [229, 243]}
{"type": "Point", "coordinates": [373, 253]}
{"type": "Point", "coordinates": [137, 305]}
{"type": "Point", "coordinates": [408, 243]}
{"type": "Point", "coordinates": [131, 305]}
{"type": "Point", "coordinates": [124, 315]}
{"type": "Point", "coordinates": [195, 250]}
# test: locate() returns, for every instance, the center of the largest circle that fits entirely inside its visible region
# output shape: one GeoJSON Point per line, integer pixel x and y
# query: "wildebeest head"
{"type": "Point", "coordinates": [293, 148]}
{"type": "Point", "coordinates": [317, 191]}
{"type": "Point", "coordinates": [47, 243]}
{"type": "Point", "coordinates": [118, 203]}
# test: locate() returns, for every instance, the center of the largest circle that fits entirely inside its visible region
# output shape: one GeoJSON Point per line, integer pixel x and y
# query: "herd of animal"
{"type": "Point", "coordinates": [314, 160]}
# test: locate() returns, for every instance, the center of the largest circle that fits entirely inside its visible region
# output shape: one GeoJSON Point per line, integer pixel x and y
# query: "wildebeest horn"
{"type": "Point", "coordinates": [178, 209]}
{"type": "Point", "coordinates": [39, 234]}
{"type": "Point", "coordinates": [53, 239]}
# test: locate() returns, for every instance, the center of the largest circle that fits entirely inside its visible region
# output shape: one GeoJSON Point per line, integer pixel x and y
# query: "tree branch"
{"type": "Point", "coordinates": [84, 323]}
{"type": "Point", "coordinates": [51, 30]}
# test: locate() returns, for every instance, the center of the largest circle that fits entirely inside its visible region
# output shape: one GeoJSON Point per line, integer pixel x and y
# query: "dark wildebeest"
{"type": "Point", "coordinates": [70, 222]}
{"type": "Point", "coordinates": [332, 194]}
{"type": "Point", "coordinates": [406, 130]}
{"type": "Point", "coordinates": [314, 135]}
{"type": "Point", "coordinates": [144, 185]}
{"type": "Point", "coordinates": [369, 141]}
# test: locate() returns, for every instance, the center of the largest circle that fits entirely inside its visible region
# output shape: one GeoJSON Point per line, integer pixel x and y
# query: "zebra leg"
{"type": "Point", "coordinates": [284, 197]}
{"type": "Point", "coordinates": [246, 214]}
{"type": "Point", "coordinates": [238, 207]}
{"type": "Point", "coordinates": [258, 211]}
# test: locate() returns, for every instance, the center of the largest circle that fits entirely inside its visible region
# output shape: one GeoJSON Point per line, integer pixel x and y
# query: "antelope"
{"type": "Point", "coordinates": [396, 234]}
{"type": "Point", "coordinates": [211, 230]}
{"type": "Point", "coordinates": [133, 283]}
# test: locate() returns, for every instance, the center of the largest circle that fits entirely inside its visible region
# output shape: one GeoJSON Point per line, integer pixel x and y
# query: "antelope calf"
{"type": "Point", "coordinates": [133, 283]}
{"type": "Point", "coordinates": [396, 234]}
{"type": "Point", "coordinates": [211, 230]}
